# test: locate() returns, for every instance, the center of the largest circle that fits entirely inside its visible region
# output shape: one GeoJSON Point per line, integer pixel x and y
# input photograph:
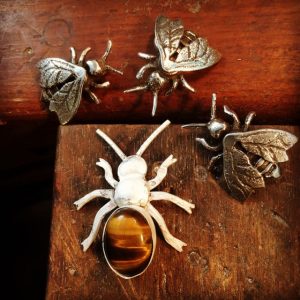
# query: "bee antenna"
{"type": "Point", "coordinates": [213, 106]}
{"type": "Point", "coordinates": [150, 139]}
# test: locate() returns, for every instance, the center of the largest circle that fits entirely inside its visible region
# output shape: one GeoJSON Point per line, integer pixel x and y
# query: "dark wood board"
{"type": "Point", "coordinates": [259, 41]}
{"type": "Point", "coordinates": [235, 250]}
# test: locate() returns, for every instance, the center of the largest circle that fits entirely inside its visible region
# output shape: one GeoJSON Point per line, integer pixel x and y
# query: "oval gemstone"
{"type": "Point", "coordinates": [127, 242]}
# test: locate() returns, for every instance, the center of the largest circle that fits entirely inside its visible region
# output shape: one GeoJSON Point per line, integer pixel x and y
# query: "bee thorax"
{"type": "Point", "coordinates": [94, 68]}
{"type": "Point", "coordinates": [132, 191]}
{"type": "Point", "coordinates": [156, 81]}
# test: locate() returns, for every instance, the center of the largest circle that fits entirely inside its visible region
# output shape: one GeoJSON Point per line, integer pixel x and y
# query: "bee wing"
{"type": "Point", "coordinates": [240, 176]}
{"type": "Point", "coordinates": [270, 144]}
{"type": "Point", "coordinates": [62, 84]}
{"type": "Point", "coordinates": [196, 56]}
{"type": "Point", "coordinates": [167, 37]}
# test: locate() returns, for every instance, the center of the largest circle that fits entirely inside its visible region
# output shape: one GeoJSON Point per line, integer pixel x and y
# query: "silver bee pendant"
{"type": "Point", "coordinates": [180, 51]}
{"type": "Point", "coordinates": [248, 156]}
{"type": "Point", "coordinates": [129, 236]}
{"type": "Point", "coordinates": [63, 82]}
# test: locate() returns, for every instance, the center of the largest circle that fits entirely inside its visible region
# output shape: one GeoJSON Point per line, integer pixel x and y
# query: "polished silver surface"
{"type": "Point", "coordinates": [248, 156]}
{"type": "Point", "coordinates": [180, 51]}
{"type": "Point", "coordinates": [63, 82]}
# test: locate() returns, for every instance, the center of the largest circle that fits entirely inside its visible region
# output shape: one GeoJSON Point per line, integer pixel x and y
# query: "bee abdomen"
{"type": "Point", "coordinates": [267, 168]}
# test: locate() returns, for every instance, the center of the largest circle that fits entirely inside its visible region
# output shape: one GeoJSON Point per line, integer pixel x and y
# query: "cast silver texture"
{"type": "Point", "coordinates": [180, 51]}
{"type": "Point", "coordinates": [134, 191]}
{"type": "Point", "coordinates": [63, 82]}
{"type": "Point", "coordinates": [248, 156]}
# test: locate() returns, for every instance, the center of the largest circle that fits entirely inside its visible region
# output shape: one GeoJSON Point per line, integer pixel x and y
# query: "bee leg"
{"type": "Point", "coordinates": [236, 121]}
{"type": "Point", "coordinates": [83, 55]}
{"type": "Point", "coordinates": [137, 88]}
{"type": "Point", "coordinates": [96, 224]}
{"type": "Point", "coordinates": [146, 56]}
{"type": "Point", "coordinates": [186, 85]}
{"type": "Point", "coordinates": [155, 97]}
{"type": "Point", "coordinates": [169, 238]}
{"type": "Point", "coordinates": [107, 172]}
{"type": "Point", "coordinates": [213, 160]}
{"type": "Point", "coordinates": [114, 70]}
{"type": "Point", "coordinates": [175, 82]}
{"type": "Point", "coordinates": [161, 172]}
{"type": "Point", "coordinates": [140, 73]}
{"type": "Point", "coordinates": [107, 51]}
{"type": "Point", "coordinates": [101, 85]}
{"type": "Point", "coordinates": [187, 206]}
{"type": "Point", "coordinates": [73, 55]}
{"type": "Point", "coordinates": [104, 193]}
{"type": "Point", "coordinates": [92, 95]}
{"type": "Point", "coordinates": [248, 120]}
{"type": "Point", "coordinates": [204, 143]}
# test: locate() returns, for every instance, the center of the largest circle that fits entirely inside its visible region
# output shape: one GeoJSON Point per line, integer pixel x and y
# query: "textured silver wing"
{"type": "Point", "coordinates": [270, 144]}
{"type": "Point", "coordinates": [196, 56]}
{"type": "Point", "coordinates": [167, 37]}
{"type": "Point", "coordinates": [62, 83]}
{"type": "Point", "coordinates": [241, 177]}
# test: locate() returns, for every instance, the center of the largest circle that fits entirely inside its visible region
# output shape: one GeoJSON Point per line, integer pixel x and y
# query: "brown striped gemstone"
{"type": "Point", "coordinates": [128, 242]}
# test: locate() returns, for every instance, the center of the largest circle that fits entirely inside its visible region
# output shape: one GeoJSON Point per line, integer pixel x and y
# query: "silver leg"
{"type": "Point", "coordinates": [137, 88]}
{"type": "Point", "coordinates": [175, 82]}
{"type": "Point", "coordinates": [82, 56]}
{"type": "Point", "coordinates": [146, 56]}
{"type": "Point", "coordinates": [114, 70]}
{"type": "Point", "coordinates": [204, 143]}
{"type": "Point", "coordinates": [155, 97]}
{"type": "Point", "coordinates": [236, 121]}
{"type": "Point", "coordinates": [186, 85]}
{"type": "Point", "coordinates": [187, 206]}
{"type": "Point", "coordinates": [100, 85]}
{"type": "Point", "coordinates": [107, 172]}
{"type": "Point", "coordinates": [96, 224]}
{"type": "Point", "coordinates": [161, 172]}
{"type": "Point", "coordinates": [92, 95]}
{"type": "Point", "coordinates": [248, 120]}
{"type": "Point", "coordinates": [143, 69]}
{"type": "Point", "coordinates": [104, 193]}
{"type": "Point", "coordinates": [169, 238]}
{"type": "Point", "coordinates": [107, 51]}
{"type": "Point", "coordinates": [73, 55]}
{"type": "Point", "coordinates": [213, 160]}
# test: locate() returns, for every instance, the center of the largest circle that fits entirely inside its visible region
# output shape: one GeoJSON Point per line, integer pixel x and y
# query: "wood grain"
{"type": "Point", "coordinates": [259, 41]}
{"type": "Point", "coordinates": [235, 250]}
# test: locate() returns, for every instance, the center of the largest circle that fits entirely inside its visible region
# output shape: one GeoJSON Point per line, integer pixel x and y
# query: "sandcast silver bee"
{"type": "Point", "coordinates": [63, 82]}
{"type": "Point", "coordinates": [180, 51]}
{"type": "Point", "coordinates": [248, 156]}
{"type": "Point", "coordinates": [129, 236]}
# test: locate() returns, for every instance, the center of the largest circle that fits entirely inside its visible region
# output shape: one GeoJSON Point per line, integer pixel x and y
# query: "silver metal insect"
{"type": "Point", "coordinates": [180, 51]}
{"type": "Point", "coordinates": [132, 197]}
{"type": "Point", "coordinates": [248, 156]}
{"type": "Point", "coordinates": [63, 82]}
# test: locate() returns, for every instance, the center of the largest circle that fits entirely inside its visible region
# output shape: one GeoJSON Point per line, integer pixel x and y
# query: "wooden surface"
{"type": "Point", "coordinates": [235, 250]}
{"type": "Point", "coordinates": [259, 41]}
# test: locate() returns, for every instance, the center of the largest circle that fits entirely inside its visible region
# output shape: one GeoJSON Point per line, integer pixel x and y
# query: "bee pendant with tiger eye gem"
{"type": "Point", "coordinates": [180, 51]}
{"type": "Point", "coordinates": [248, 156]}
{"type": "Point", "coordinates": [129, 236]}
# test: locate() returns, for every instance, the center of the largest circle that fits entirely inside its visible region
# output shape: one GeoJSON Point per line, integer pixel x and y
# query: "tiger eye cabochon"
{"type": "Point", "coordinates": [129, 240]}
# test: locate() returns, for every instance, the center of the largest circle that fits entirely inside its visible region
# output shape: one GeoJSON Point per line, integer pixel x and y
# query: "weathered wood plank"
{"type": "Point", "coordinates": [259, 71]}
{"type": "Point", "coordinates": [235, 250]}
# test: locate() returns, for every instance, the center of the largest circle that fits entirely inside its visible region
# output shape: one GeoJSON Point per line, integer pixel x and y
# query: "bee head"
{"type": "Point", "coordinates": [217, 127]}
{"type": "Point", "coordinates": [96, 68]}
{"type": "Point", "coordinates": [132, 166]}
